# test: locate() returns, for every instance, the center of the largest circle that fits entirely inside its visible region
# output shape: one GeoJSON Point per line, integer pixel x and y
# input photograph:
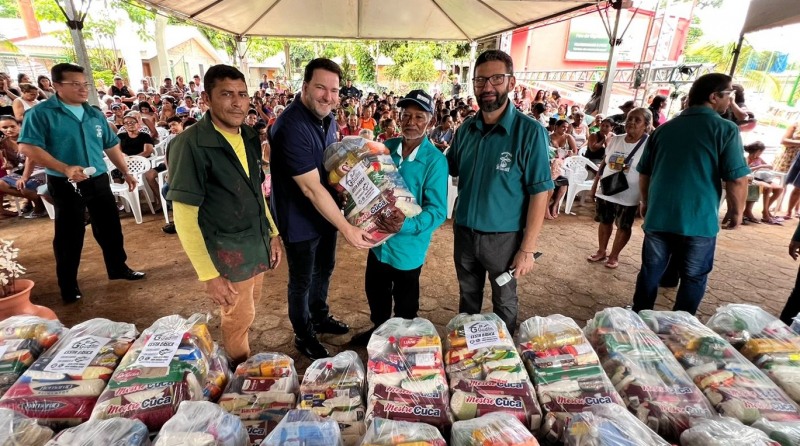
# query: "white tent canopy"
{"type": "Point", "coordinates": [766, 14]}
{"type": "Point", "coordinates": [368, 19]}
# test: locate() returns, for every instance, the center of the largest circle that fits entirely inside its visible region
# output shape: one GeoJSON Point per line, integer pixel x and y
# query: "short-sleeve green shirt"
{"type": "Point", "coordinates": [498, 169]}
{"type": "Point", "coordinates": [687, 159]}
{"type": "Point", "coordinates": [55, 129]}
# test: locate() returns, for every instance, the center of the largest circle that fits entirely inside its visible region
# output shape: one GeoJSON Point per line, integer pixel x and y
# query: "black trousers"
{"type": "Point", "coordinates": [384, 284]}
{"type": "Point", "coordinates": [95, 195]}
{"type": "Point", "coordinates": [793, 303]}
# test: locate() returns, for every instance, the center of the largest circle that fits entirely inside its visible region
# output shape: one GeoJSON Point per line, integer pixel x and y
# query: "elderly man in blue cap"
{"type": "Point", "coordinates": [393, 268]}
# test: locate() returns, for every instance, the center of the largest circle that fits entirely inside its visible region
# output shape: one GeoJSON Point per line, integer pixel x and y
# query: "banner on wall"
{"type": "Point", "coordinates": [588, 40]}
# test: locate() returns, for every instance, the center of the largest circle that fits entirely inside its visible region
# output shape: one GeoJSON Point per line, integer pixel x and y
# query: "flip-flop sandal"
{"type": "Point", "coordinates": [772, 221]}
{"type": "Point", "coordinates": [751, 220]}
{"type": "Point", "coordinates": [612, 264]}
{"type": "Point", "coordinates": [595, 258]}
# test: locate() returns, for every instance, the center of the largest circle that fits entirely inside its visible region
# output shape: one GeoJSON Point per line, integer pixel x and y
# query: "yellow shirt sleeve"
{"type": "Point", "coordinates": [188, 228]}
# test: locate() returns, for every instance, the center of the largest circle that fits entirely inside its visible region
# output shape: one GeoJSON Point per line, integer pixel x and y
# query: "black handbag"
{"type": "Point", "coordinates": [617, 182]}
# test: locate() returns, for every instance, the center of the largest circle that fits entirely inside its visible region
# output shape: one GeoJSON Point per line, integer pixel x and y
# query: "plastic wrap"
{"type": "Point", "coordinates": [304, 427]}
{"type": "Point", "coordinates": [609, 425]}
{"type": "Point", "coordinates": [763, 339]}
{"type": "Point", "coordinates": [734, 386]}
{"type": "Point", "coordinates": [202, 423]}
{"type": "Point", "coordinates": [263, 389]}
{"type": "Point", "coordinates": [384, 432]}
{"type": "Point", "coordinates": [492, 429]}
{"type": "Point", "coordinates": [22, 340]}
{"type": "Point", "coordinates": [405, 374]}
{"type": "Point", "coordinates": [334, 388]}
{"type": "Point", "coordinates": [61, 388]}
{"type": "Point", "coordinates": [486, 372]}
{"type": "Point", "coordinates": [17, 429]}
{"type": "Point", "coordinates": [649, 379]}
{"type": "Point", "coordinates": [723, 431]}
{"type": "Point", "coordinates": [114, 432]}
{"type": "Point", "coordinates": [785, 433]}
{"type": "Point", "coordinates": [565, 370]}
{"type": "Point", "coordinates": [219, 375]}
{"type": "Point", "coordinates": [364, 171]}
{"type": "Point", "coordinates": [168, 364]}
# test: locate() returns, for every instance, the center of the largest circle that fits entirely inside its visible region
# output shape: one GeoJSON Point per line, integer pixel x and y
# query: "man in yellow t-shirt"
{"type": "Point", "coordinates": [220, 214]}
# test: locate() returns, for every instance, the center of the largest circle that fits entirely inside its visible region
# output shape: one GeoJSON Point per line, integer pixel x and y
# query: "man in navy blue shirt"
{"type": "Point", "coordinates": [307, 214]}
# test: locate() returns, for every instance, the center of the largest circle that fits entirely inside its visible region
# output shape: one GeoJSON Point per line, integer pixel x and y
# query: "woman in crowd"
{"type": "Point", "coordinates": [25, 101]}
{"type": "Point", "coordinates": [562, 145]}
{"type": "Point", "coordinates": [180, 86]}
{"type": "Point", "coordinates": [539, 98]}
{"type": "Point", "coordinates": [389, 127]}
{"type": "Point", "coordinates": [45, 87]}
{"type": "Point", "coordinates": [578, 128]}
{"type": "Point", "coordinates": [621, 207]}
{"type": "Point", "coordinates": [791, 144]}
{"type": "Point", "coordinates": [341, 118]}
{"type": "Point", "coordinates": [16, 170]}
{"type": "Point", "coordinates": [598, 141]}
{"type": "Point", "coordinates": [167, 109]}
{"type": "Point", "coordinates": [595, 123]}
{"type": "Point", "coordinates": [352, 128]}
{"type": "Point", "coordinates": [656, 107]}
{"type": "Point", "coordinates": [763, 181]}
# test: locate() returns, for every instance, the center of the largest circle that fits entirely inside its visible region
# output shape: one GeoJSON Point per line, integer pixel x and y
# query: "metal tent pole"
{"type": "Point", "coordinates": [611, 70]}
{"type": "Point", "coordinates": [736, 51]}
{"type": "Point", "coordinates": [75, 24]}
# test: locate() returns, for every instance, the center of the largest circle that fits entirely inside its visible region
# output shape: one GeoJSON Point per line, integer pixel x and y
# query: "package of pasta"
{"type": "Point", "coordinates": [167, 365]}
{"type": "Point", "coordinates": [17, 429]}
{"type": "Point", "coordinates": [495, 429]}
{"type": "Point", "coordinates": [763, 339]}
{"type": "Point", "coordinates": [734, 386]}
{"type": "Point", "coordinates": [263, 389]}
{"type": "Point", "coordinates": [607, 425]}
{"type": "Point", "coordinates": [334, 388]}
{"type": "Point", "coordinates": [382, 432]}
{"type": "Point", "coordinates": [306, 428]}
{"type": "Point", "coordinates": [651, 382]}
{"type": "Point", "coordinates": [786, 433]}
{"type": "Point", "coordinates": [723, 431]}
{"type": "Point", "coordinates": [201, 423]}
{"type": "Point", "coordinates": [371, 187]}
{"type": "Point", "coordinates": [22, 340]}
{"type": "Point", "coordinates": [116, 432]}
{"type": "Point", "coordinates": [405, 374]}
{"type": "Point", "coordinates": [61, 388]}
{"type": "Point", "coordinates": [486, 372]}
{"type": "Point", "coordinates": [565, 370]}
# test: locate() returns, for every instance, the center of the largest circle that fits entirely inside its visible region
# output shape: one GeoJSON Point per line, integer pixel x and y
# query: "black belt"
{"type": "Point", "coordinates": [475, 231]}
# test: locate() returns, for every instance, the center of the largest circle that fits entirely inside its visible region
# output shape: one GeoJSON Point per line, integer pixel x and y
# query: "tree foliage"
{"type": "Point", "coordinates": [9, 9]}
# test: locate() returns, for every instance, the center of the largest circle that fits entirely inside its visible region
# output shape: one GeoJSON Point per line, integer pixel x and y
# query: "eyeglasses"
{"type": "Point", "coordinates": [495, 80]}
{"type": "Point", "coordinates": [728, 92]}
{"type": "Point", "coordinates": [76, 85]}
{"type": "Point", "coordinates": [129, 123]}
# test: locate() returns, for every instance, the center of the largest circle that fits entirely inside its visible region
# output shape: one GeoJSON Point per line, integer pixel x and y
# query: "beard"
{"type": "Point", "coordinates": [488, 105]}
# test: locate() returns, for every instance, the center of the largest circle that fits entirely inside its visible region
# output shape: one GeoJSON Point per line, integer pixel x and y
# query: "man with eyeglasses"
{"type": "Point", "coordinates": [67, 136]}
{"type": "Point", "coordinates": [681, 171]}
{"type": "Point", "coordinates": [500, 157]}
{"type": "Point", "coordinates": [393, 268]}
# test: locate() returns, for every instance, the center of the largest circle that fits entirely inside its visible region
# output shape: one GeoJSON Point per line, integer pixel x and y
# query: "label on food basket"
{"type": "Point", "coordinates": [76, 355]}
{"type": "Point", "coordinates": [481, 334]}
{"type": "Point", "coordinates": [160, 348]}
{"type": "Point", "coordinates": [360, 186]}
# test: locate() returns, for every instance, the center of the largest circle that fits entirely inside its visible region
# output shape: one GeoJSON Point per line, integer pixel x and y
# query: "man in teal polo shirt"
{"type": "Point", "coordinates": [66, 136]}
{"type": "Point", "coordinates": [681, 172]}
{"type": "Point", "coordinates": [393, 268]}
{"type": "Point", "coordinates": [500, 159]}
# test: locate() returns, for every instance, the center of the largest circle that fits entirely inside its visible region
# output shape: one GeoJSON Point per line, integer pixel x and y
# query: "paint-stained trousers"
{"type": "Point", "coordinates": [237, 318]}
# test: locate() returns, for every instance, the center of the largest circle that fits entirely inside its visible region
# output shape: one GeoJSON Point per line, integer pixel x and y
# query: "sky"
{"type": "Point", "coordinates": [723, 25]}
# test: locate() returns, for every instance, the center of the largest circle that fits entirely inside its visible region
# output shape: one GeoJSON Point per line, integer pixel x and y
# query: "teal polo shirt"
{"type": "Point", "coordinates": [498, 168]}
{"type": "Point", "coordinates": [425, 174]}
{"type": "Point", "coordinates": [687, 159]}
{"type": "Point", "coordinates": [51, 126]}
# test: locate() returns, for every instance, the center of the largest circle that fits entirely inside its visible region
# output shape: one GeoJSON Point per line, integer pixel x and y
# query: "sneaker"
{"type": "Point", "coordinates": [362, 339]}
{"type": "Point", "coordinates": [169, 228]}
{"type": "Point", "coordinates": [34, 214]}
{"type": "Point", "coordinates": [331, 325]}
{"type": "Point", "coordinates": [310, 347]}
{"type": "Point", "coordinates": [27, 208]}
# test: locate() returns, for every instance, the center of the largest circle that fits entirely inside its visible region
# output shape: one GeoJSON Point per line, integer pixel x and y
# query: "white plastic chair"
{"type": "Point", "coordinates": [575, 171]}
{"type": "Point", "coordinates": [155, 161]}
{"type": "Point", "coordinates": [452, 194]}
{"type": "Point", "coordinates": [137, 166]}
